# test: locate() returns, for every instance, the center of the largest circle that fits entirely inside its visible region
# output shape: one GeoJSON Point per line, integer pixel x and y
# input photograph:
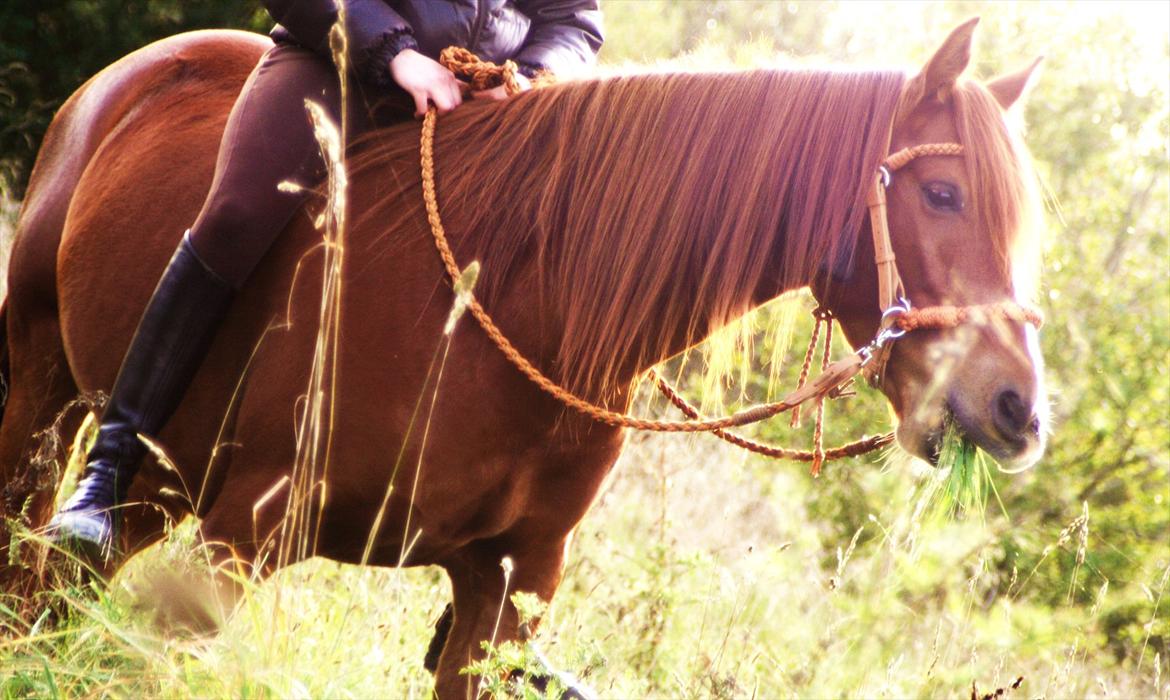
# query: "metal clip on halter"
{"type": "Point", "coordinates": [887, 330]}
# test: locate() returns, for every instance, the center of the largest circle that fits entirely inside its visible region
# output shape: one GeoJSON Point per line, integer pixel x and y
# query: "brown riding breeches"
{"type": "Point", "coordinates": [269, 139]}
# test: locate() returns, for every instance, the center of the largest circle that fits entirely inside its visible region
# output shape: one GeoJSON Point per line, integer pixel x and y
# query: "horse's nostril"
{"type": "Point", "coordinates": [1012, 415]}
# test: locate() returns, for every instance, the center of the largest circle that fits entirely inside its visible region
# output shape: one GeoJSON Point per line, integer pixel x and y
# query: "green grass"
{"type": "Point", "coordinates": [699, 574]}
{"type": "Point", "coordinates": [966, 483]}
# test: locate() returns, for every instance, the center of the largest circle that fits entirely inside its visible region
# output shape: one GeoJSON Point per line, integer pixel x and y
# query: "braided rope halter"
{"type": "Point", "coordinates": [898, 317]}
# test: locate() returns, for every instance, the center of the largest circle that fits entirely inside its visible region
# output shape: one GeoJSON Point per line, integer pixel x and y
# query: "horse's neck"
{"type": "Point", "coordinates": [705, 317]}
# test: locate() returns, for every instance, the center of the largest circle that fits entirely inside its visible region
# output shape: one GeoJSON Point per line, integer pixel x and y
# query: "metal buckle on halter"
{"type": "Point", "coordinates": [886, 175]}
{"type": "Point", "coordinates": [887, 330]}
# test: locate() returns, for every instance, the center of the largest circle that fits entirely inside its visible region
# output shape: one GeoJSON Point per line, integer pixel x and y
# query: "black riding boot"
{"type": "Point", "coordinates": [168, 347]}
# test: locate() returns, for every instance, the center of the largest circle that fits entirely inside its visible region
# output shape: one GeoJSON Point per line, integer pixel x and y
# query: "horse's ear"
{"type": "Point", "coordinates": [1007, 89]}
{"type": "Point", "coordinates": [939, 74]}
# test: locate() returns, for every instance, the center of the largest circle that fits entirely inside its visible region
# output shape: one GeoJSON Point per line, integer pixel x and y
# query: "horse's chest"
{"type": "Point", "coordinates": [547, 487]}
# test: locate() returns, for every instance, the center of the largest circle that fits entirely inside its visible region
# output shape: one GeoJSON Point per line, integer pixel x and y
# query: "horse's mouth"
{"type": "Point", "coordinates": [934, 446]}
{"type": "Point", "coordinates": [933, 442]}
{"type": "Point", "coordinates": [1013, 452]}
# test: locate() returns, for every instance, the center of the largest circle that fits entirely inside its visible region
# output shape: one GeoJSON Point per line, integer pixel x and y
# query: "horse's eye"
{"type": "Point", "coordinates": [943, 196]}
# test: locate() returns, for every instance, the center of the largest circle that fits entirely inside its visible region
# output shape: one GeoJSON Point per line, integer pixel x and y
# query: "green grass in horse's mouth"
{"type": "Point", "coordinates": [965, 474]}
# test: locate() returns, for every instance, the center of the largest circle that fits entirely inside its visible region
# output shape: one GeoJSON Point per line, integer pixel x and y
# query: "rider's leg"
{"type": "Point", "coordinates": [268, 139]}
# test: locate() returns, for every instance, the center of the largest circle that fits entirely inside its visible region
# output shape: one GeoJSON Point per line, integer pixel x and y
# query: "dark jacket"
{"type": "Point", "coordinates": [554, 35]}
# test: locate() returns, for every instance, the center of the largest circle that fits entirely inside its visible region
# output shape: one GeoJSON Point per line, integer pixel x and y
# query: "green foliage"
{"type": "Point", "coordinates": [48, 48]}
{"type": "Point", "coordinates": [649, 30]}
{"type": "Point", "coordinates": [518, 669]}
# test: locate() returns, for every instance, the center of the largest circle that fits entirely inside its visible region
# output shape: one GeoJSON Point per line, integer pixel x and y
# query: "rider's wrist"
{"type": "Point", "coordinates": [375, 69]}
{"type": "Point", "coordinates": [398, 42]}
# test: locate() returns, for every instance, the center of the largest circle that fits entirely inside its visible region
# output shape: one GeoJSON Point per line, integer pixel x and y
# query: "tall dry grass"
{"type": "Point", "coordinates": [699, 574]}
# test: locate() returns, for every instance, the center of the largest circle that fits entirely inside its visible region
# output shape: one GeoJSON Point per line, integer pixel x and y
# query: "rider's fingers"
{"type": "Point", "coordinates": [443, 100]}
{"type": "Point", "coordinates": [420, 103]}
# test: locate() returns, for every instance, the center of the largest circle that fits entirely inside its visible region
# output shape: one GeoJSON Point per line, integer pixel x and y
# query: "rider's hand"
{"type": "Point", "coordinates": [426, 81]}
{"type": "Point", "coordinates": [500, 92]}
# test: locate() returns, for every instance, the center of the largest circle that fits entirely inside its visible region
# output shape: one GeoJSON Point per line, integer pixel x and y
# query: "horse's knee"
{"type": "Point", "coordinates": [483, 608]}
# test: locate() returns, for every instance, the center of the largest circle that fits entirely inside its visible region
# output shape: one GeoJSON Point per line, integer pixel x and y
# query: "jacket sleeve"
{"type": "Point", "coordinates": [375, 31]}
{"type": "Point", "coordinates": [564, 37]}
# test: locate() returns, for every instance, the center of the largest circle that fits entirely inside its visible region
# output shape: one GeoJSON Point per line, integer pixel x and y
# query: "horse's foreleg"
{"type": "Point", "coordinates": [483, 586]}
{"type": "Point", "coordinates": [251, 520]}
{"type": "Point", "coordinates": [238, 536]}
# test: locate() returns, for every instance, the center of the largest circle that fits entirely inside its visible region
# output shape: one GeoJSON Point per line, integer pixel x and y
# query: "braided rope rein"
{"type": "Point", "coordinates": [482, 75]}
{"type": "Point", "coordinates": [852, 449]}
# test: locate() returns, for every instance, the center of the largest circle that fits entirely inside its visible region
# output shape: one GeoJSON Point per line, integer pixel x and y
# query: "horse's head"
{"type": "Point", "coordinates": [961, 230]}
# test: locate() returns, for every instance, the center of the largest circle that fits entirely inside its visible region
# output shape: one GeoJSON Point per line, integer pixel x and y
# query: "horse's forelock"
{"type": "Point", "coordinates": [1005, 188]}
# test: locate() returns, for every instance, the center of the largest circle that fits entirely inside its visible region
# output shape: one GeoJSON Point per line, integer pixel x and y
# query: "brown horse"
{"type": "Point", "coordinates": [618, 222]}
